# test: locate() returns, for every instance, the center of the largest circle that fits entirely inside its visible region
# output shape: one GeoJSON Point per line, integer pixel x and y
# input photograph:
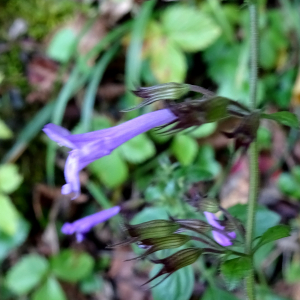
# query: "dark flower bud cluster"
{"type": "Point", "coordinates": [176, 261]}
{"type": "Point", "coordinates": [208, 204]}
{"type": "Point", "coordinates": [207, 110]}
{"type": "Point", "coordinates": [210, 108]}
{"type": "Point", "coordinates": [194, 225]}
{"type": "Point", "coordinates": [162, 243]}
{"type": "Point", "coordinates": [152, 229]}
{"type": "Point", "coordinates": [229, 225]}
{"type": "Point", "coordinates": [245, 133]}
{"type": "Point", "coordinates": [161, 234]}
{"type": "Point", "coordinates": [165, 91]}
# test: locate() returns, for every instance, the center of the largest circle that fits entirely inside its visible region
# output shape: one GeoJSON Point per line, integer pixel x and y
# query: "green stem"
{"type": "Point", "coordinates": [253, 193]}
{"type": "Point", "coordinates": [253, 154]}
{"type": "Point", "coordinates": [253, 10]}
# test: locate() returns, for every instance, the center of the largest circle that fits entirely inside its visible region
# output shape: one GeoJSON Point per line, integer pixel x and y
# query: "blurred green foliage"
{"type": "Point", "coordinates": [288, 183]}
{"type": "Point", "coordinates": [206, 43]}
{"type": "Point", "coordinates": [42, 16]}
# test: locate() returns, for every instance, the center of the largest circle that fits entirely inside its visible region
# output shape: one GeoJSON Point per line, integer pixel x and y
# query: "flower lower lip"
{"type": "Point", "coordinates": [91, 146]}
{"type": "Point", "coordinates": [84, 225]}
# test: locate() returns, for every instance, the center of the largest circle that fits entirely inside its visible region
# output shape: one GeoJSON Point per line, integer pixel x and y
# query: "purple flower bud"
{"type": "Point", "coordinates": [219, 237]}
{"type": "Point", "coordinates": [91, 146]}
{"type": "Point", "coordinates": [84, 225]}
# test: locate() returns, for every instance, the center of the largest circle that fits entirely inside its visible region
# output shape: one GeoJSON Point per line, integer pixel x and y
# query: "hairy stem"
{"type": "Point", "coordinates": [253, 154]}
{"type": "Point", "coordinates": [253, 10]}
{"type": "Point", "coordinates": [252, 202]}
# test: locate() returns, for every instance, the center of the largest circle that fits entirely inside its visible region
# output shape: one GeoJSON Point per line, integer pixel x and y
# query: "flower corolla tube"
{"type": "Point", "coordinates": [220, 238]}
{"type": "Point", "coordinates": [88, 147]}
{"type": "Point", "coordinates": [84, 225]}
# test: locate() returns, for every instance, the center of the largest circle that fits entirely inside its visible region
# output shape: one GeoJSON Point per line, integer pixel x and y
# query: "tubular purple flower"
{"type": "Point", "coordinates": [91, 146]}
{"type": "Point", "coordinates": [84, 225]}
{"type": "Point", "coordinates": [219, 237]}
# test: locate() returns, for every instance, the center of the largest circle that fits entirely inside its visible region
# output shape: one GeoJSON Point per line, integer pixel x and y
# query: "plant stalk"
{"type": "Point", "coordinates": [253, 151]}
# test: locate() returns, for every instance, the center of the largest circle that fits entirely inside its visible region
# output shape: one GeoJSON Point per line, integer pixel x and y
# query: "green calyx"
{"type": "Point", "coordinates": [152, 229]}
{"type": "Point", "coordinates": [165, 91]}
{"type": "Point", "coordinates": [156, 244]}
{"type": "Point", "coordinates": [208, 204]}
{"type": "Point", "coordinates": [194, 225]}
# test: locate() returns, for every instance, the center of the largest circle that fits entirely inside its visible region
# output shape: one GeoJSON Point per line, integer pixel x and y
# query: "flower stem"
{"type": "Point", "coordinates": [253, 10]}
{"type": "Point", "coordinates": [253, 154]}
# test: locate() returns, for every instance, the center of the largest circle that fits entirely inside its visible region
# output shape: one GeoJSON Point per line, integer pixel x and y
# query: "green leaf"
{"type": "Point", "coordinates": [167, 62]}
{"type": "Point", "coordinates": [189, 28]}
{"type": "Point", "coordinates": [135, 47]}
{"type": "Point", "coordinates": [179, 286]}
{"type": "Point", "coordinates": [110, 169]}
{"type": "Point", "coordinates": [263, 293]}
{"type": "Point", "coordinates": [206, 160]}
{"type": "Point", "coordinates": [272, 234]}
{"type": "Point", "coordinates": [9, 242]}
{"type": "Point", "coordinates": [133, 61]}
{"type": "Point", "coordinates": [184, 148]}
{"type": "Point", "coordinates": [159, 137]}
{"type": "Point", "coordinates": [27, 273]}
{"type": "Point", "coordinates": [267, 52]}
{"type": "Point", "coordinates": [72, 266]}
{"type": "Point", "coordinates": [227, 65]}
{"type": "Point", "coordinates": [288, 185]}
{"type": "Point", "coordinates": [204, 130]}
{"type": "Point", "coordinates": [138, 149]}
{"type": "Point", "coordinates": [87, 108]}
{"type": "Point", "coordinates": [283, 117]}
{"type": "Point", "coordinates": [9, 216]}
{"type": "Point", "coordinates": [262, 254]}
{"type": "Point", "coordinates": [101, 122]}
{"type": "Point", "coordinates": [234, 270]}
{"type": "Point", "coordinates": [5, 132]}
{"type": "Point", "coordinates": [50, 290]}
{"type": "Point", "coordinates": [61, 46]}
{"type": "Point", "coordinates": [264, 138]}
{"type": "Point", "coordinates": [193, 173]}
{"type": "Point", "coordinates": [154, 192]}
{"type": "Point", "coordinates": [217, 294]}
{"type": "Point", "coordinates": [296, 173]}
{"type": "Point", "coordinates": [91, 284]}
{"type": "Point", "coordinates": [148, 214]}
{"type": "Point", "coordinates": [265, 218]}
{"type": "Point", "coordinates": [279, 89]}
{"type": "Point", "coordinates": [292, 272]}
{"type": "Point", "coordinates": [10, 179]}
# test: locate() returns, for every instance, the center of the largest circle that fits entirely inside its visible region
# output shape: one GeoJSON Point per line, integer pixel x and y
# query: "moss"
{"type": "Point", "coordinates": [12, 70]}
{"type": "Point", "coordinates": [42, 16]}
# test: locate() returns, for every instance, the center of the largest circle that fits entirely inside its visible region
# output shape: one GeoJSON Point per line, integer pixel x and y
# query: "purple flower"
{"type": "Point", "coordinates": [91, 146]}
{"type": "Point", "coordinates": [84, 225]}
{"type": "Point", "coordinates": [219, 237]}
